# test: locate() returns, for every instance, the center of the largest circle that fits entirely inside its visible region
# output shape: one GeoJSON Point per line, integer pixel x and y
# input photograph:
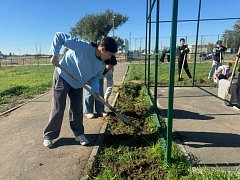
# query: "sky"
{"type": "Point", "coordinates": [28, 26]}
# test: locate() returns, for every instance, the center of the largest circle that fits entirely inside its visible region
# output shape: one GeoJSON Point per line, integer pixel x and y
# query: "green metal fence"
{"type": "Point", "coordinates": [150, 5]}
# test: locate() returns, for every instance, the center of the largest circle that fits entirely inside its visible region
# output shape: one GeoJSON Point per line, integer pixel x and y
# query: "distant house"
{"type": "Point", "coordinates": [229, 50]}
{"type": "Point", "coordinates": [201, 48]}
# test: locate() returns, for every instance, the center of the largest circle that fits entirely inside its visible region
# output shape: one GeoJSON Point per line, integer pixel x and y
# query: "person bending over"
{"type": "Point", "coordinates": [86, 63]}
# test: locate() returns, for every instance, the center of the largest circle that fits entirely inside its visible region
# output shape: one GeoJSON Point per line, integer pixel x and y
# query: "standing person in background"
{"type": "Point", "coordinates": [165, 51]}
{"type": "Point", "coordinates": [182, 51]}
{"type": "Point", "coordinates": [90, 100]}
{"type": "Point", "coordinates": [217, 57]}
{"type": "Point", "coordinates": [86, 62]}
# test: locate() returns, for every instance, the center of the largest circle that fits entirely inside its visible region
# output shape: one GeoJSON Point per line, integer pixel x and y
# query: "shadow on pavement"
{"type": "Point", "coordinates": [218, 165]}
{"type": "Point", "coordinates": [182, 114]}
{"type": "Point", "coordinates": [209, 139]}
{"type": "Point", "coordinates": [66, 141]}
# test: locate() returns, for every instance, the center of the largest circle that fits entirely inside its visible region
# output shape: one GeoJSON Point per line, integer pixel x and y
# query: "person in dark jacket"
{"type": "Point", "coordinates": [217, 57]}
{"type": "Point", "coordinates": [165, 52]}
{"type": "Point", "coordinates": [182, 51]}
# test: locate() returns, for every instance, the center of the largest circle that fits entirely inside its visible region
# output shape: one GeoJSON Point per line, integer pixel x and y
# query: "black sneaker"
{"type": "Point", "coordinates": [180, 79]}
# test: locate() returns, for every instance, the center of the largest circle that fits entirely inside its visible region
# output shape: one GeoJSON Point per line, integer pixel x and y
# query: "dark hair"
{"type": "Point", "coordinates": [94, 44]}
{"type": "Point", "coordinates": [219, 42]}
{"type": "Point", "coordinates": [229, 64]}
{"type": "Point", "coordinates": [182, 39]}
{"type": "Point", "coordinates": [109, 43]}
{"type": "Point", "coordinates": [112, 61]}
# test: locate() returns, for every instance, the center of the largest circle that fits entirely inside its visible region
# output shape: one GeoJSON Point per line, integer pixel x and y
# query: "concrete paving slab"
{"type": "Point", "coordinates": [209, 130]}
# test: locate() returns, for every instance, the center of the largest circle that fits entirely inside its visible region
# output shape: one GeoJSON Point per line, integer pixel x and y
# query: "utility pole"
{"type": "Point", "coordinates": [201, 48]}
{"type": "Point", "coordinates": [113, 24]}
{"type": "Point", "coordinates": [135, 44]}
{"type": "Point", "coordinates": [129, 41]}
{"type": "Point", "coordinates": [36, 48]}
{"type": "Point", "coordinates": [140, 48]}
{"type": "Point", "coordinates": [40, 49]}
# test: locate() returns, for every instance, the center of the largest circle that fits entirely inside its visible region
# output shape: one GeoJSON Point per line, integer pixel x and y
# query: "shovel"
{"type": "Point", "coordinates": [183, 65]}
{"type": "Point", "coordinates": [221, 61]}
{"type": "Point", "coordinates": [220, 56]}
{"type": "Point", "coordinates": [228, 95]}
{"type": "Point", "coordinates": [121, 116]}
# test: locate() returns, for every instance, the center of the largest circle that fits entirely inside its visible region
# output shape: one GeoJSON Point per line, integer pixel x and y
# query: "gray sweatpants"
{"type": "Point", "coordinates": [60, 91]}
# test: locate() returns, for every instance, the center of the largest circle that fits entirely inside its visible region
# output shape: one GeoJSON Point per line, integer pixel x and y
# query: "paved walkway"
{"type": "Point", "coordinates": [21, 134]}
{"type": "Point", "coordinates": [209, 130]}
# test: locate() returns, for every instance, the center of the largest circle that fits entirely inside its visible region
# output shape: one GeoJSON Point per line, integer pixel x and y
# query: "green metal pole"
{"type": "Point", "coordinates": [152, 6]}
{"type": "Point", "coordinates": [156, 58]}
{"type": "Point", "coordinates": [195, 55]}
{"type": "Point", "coordinates": [171, 81]}
{"type": "Point", "coordinates": [149, 48]}
{"type": "Point", "coordinates": [145, 67]}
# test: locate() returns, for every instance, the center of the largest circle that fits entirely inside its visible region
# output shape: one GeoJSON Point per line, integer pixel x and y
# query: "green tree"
{"type": "Point", "coordinates": [93, 27]}
{"type": "Point", "coordinates": [232, 37]}
{"type": "Point", "coordinates": [120, 42]}
{"type": "Point", "coordinates": [210, 47]}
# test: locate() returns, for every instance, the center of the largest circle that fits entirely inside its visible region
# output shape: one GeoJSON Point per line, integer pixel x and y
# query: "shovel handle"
{"type": "Point", "coordinates": [233, 72]}
{"type": "Point", "coordinates": [121, 116]}
{"type": "Point", "coordinates": [183, 64]}
{"type": "Point", "coordinates": [234, 68]}
{"type": "Point", "coordinates": [87, 88]}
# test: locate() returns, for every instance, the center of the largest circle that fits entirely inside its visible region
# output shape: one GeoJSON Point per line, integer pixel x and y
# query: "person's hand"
{"type": "Point", "coordinates": [238, 55]}
{"type": "Point", "coordinates": [55, 60]}
{"type": "Point", "coordinates": [186, 49]}
{"type": "Point", "coordinates": [106, 100]}
{"type": "Point", "coordinates": [181, 51]}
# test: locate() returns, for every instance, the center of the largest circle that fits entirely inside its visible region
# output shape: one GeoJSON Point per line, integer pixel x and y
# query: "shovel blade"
{"type": "Point", "coordinates": [227, 99]}
{"type": "Point", "coordinates": [124, 119]}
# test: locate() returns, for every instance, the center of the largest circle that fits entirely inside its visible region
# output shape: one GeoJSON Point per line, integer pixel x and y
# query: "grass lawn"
{"type": "Point", "coordinates": [21, 83]}
{"type": "Point", "coordinates": [136, 72]}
